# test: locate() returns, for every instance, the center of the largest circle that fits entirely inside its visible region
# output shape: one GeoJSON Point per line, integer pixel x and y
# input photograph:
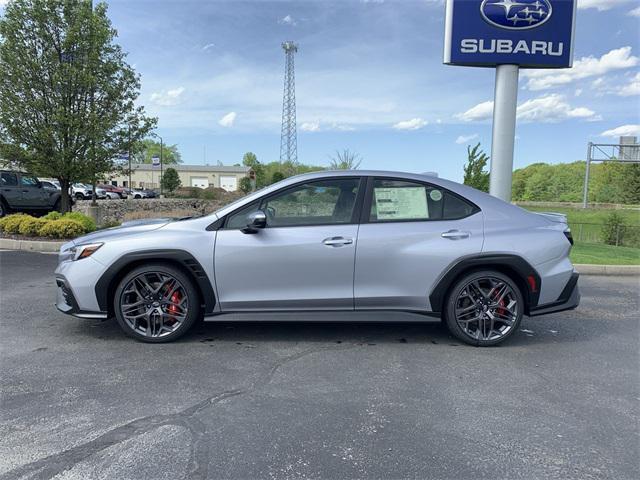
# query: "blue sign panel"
{"type": "Point", "coordinates": [528, 33]}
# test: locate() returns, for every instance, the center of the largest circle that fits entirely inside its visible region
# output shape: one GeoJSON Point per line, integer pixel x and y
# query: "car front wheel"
{"type": "Point", "coordinates": [156, 303]}
{"type": "Point", "coordinates": [484, 308]}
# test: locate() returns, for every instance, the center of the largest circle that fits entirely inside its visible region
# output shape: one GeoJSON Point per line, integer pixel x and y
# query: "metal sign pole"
{"type": "Point", "coordinates": [585, 192]}
{"type": "Point", "coordinates": [504, 131]}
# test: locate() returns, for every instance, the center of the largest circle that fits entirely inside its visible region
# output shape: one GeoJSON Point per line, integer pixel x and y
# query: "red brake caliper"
{"type": "Point", "coordinates": [176, 297]}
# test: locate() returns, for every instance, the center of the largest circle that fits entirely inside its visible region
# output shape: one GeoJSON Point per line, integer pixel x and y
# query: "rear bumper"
{"type": "Point", "coordinates": [568, 299]}
{"type": "Point", "coordinates": [66, 301]}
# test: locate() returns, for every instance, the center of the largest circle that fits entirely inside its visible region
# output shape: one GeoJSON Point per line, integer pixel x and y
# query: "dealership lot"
{"type": "Point", "coordinates": [277, 400]}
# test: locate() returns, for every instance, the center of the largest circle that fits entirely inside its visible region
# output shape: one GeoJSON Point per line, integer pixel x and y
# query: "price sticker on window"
{"type": "Point", "coordinates": [401, 203]}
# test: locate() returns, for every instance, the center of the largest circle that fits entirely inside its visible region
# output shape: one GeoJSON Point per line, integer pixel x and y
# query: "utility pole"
{"type": "Point", "coordinates": [288, 136]}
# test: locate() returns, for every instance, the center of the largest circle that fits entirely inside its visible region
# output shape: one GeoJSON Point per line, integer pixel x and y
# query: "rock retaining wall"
{"type": "Point", "coordinates": [117, 211]}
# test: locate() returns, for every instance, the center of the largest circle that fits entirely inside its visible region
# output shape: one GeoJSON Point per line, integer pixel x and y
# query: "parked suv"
{"type": "Point", "coordinates": [81, 191]}
{"type": "Point", "coordinates": [22, 192]}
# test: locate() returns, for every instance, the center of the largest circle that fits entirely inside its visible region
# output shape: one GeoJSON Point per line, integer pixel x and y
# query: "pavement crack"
{"type": "Point", "coordinates": [49, 467]}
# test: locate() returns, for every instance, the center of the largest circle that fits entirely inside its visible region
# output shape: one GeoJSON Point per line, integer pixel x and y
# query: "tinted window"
{"type": "Point", "coordinates": [8, 179]}
{"type": "Point", "coordinates": [238, 219]}
{"type": "Point", "coordinates": [397, 200]}
{"type": "Point", "coordinates": [28, 181]}
{"type": "Point", "coordinates": [313, 203]}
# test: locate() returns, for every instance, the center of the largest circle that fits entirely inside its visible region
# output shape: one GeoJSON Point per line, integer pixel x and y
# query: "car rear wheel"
{"type": "Point", "coordinates": [484, 308]}
{"type": "Point", "coordinates": [156, 303]}
{"type": "Point", "coordinates": [3, 208]}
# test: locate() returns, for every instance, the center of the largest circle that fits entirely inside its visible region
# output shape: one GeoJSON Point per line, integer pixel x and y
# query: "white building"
{"type": "Point", "coordinates": [145, 175]}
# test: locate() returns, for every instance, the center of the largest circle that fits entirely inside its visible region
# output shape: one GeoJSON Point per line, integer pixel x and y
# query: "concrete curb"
{"type": "Point", "coordinates": [47, 246]}
{"type": "Point", "coordinates": [608, 269]}
{"type": "Point", "coordinates": [43, 246]}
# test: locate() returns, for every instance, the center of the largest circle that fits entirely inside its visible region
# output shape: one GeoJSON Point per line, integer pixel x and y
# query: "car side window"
{"type": "Point", "coordinates": [399, 200]}
{"type": "Point", "coordinates": [26, 181]}
{"type": "Point", "coordinates": [8, 179]}
{"type": "Point", "coordinates": [238, 219]}
{"type": "Point", "coordinates": [314, 203]}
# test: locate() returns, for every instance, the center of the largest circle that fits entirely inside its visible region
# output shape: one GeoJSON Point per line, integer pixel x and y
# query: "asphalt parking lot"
{"type": "Point", "coordinates": [316, 400]}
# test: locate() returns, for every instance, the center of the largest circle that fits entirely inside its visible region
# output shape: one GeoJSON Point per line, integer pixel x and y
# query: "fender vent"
{"type": "Point", "coordinates": [195, 267]}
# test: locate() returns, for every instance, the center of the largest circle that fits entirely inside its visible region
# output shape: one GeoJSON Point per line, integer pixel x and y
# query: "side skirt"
{"type": "Point", "coordinates": [323, 316]}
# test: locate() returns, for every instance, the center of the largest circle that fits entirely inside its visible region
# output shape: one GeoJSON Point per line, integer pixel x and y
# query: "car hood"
{"type": "Point", "coordinates": [126, 229]}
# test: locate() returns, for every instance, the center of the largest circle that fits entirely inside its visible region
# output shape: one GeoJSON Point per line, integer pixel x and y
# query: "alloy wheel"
{"type": "Point", "coordinates": [154, 304]}
{"type": "Point", "coordinates": [486, 308]}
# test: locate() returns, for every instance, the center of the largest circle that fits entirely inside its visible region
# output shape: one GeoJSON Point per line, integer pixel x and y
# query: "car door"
{"type": "Point", "coordinates": [10, 189]}
{"type": "Point", "coordinates": [303, 258]}
{"type": "Point", "coordinates": [410, 233]}
{"type": "Point", "coordinates": [33, 195]}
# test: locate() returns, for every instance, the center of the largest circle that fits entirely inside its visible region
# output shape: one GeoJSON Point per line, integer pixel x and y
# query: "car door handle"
{"type": "Point", "coordinates": [455, 234]}
{"type": "Point", "coordinates": [337, 241]}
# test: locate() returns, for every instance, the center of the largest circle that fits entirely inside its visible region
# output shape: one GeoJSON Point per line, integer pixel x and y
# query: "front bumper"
{"type": "Point", "coordinates": [66, 301]}
{"type": "Point", "coordinates": [568, 299]}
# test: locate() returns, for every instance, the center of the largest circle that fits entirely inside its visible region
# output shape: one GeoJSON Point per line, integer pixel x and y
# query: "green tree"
{"type": "Point", "coordinates": [146, 149]}
{"type": "Point", "coordinates": [631, 184]}
{"type": "Point", "coordinates": [170, 180]}
{"type": "Point", "coordinates": [474, 174]}
{"type": "Point", "coordinates": [277, 176]}
{"type": "Point", "coordinates": [251, 160]}
{"type": "Point", "coordinates": [67, 94]}
{"type": "Point", "coordinates": [344, 160]}
{"type": "Point", "coordinates": [245, 184]}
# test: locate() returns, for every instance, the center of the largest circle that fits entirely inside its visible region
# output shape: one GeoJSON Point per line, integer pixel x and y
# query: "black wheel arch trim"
{"type": "Point", "coordinates": [513, 265]}
{"type": "Point", "coordinates": [105, 285]}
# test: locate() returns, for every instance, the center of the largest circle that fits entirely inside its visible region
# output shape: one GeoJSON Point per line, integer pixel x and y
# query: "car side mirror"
{"type": "Point", "coordinates": [255, 221]}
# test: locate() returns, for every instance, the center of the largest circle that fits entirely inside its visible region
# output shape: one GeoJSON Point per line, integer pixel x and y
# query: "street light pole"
{"type": "Point", "coordinates": [161, 154]}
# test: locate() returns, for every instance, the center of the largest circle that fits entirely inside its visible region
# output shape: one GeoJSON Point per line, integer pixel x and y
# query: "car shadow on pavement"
{"type": "Point", "coordinates": [381, 328]}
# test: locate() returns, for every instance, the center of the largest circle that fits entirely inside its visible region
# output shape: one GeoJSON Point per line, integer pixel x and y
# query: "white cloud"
{"type": "Point", "coordinates": [168, 98]}
{"type": "Point", "coordinates": [622, 131]}
{"type": "Point", "coordinates": [634, 13]}
{"type": "Point", "coordinates": [552, 108]}
{"type": "Point", "coordinates": [545, 109]}
{"type": "Point", "coordinates": [413, 124]}
{"type": "Point", "coordinates": [601, 5]}
{"type": "Point", "coordinates": [310, 127]}
{"type": "Point", "coordinates": [466, 138]}
{"type": "Point", "coordinates": [631, 88]}
{"type": "Point", "coordinates": [617, 59]}
{"type": "Point", "coordinates": [287, 20]}
{"type": "Point", "coordinates": [482, 111]}
{"type": "Point", "coordinates": [578, 92]}
{"type": "Point", "coordinates": [228, 119]}
{"type": "Point", "coordinates": [208, 46]}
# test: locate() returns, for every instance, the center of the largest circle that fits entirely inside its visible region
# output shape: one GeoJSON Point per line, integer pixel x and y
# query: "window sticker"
{"type": "Point", "coordinates": [436, 195]}
{"type": "Point", "coordinates": [401, 203]}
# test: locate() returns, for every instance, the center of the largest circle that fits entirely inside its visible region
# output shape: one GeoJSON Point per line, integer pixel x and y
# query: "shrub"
{"type": "Point", "coordinates": [31, 226]}
{"type": "Point", "coordinates": [62, 228]}
{"type": "Point", "coordinates": [11, 223]}
{"type": "Point", "coordinates": [613, 229]}
{"type": "Point", "coordinates": [53, 216]}
{"type": "Point", "coordinates": [87, 222]}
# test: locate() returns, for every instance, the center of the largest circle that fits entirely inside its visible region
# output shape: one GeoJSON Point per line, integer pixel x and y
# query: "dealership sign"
{"type": "Point", "coordinates": [527, 33]}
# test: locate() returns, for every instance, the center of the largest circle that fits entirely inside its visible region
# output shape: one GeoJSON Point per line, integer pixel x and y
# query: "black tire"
{"type": "Point", "coordinates": [79, 196]}
{"type": "Point", "coordinates": [192, 296]}
{"type": "Point", "coordinates": [459, 294]}
{"type": "Point", "coordinates": [4, 208]}
{"type": "Point", "coordinates": [56, 206]}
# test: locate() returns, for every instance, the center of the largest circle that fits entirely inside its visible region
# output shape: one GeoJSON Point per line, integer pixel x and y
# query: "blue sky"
{"type": "Point", "coordinates": [369, 77]}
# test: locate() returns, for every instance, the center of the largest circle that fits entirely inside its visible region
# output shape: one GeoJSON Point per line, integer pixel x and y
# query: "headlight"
{"type": "Point", "coordinates": [83, 251]}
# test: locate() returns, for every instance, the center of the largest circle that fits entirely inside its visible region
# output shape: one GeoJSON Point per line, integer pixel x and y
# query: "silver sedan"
{"type": "Point", "coordinates": [344, 241]}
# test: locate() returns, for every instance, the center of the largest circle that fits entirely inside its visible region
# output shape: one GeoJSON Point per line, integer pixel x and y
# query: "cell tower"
{"type": "Point", "coordinates": [288, 137]}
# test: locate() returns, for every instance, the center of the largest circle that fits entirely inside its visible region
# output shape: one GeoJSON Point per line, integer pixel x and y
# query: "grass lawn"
{"type": "Point", "coordinates": [591, 215]}
{"type": "Point", "coordinates": [594, 254]}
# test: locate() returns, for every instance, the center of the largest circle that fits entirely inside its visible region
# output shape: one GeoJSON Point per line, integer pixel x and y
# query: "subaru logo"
{"type": "Point", "coordinates": [516, 14]}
